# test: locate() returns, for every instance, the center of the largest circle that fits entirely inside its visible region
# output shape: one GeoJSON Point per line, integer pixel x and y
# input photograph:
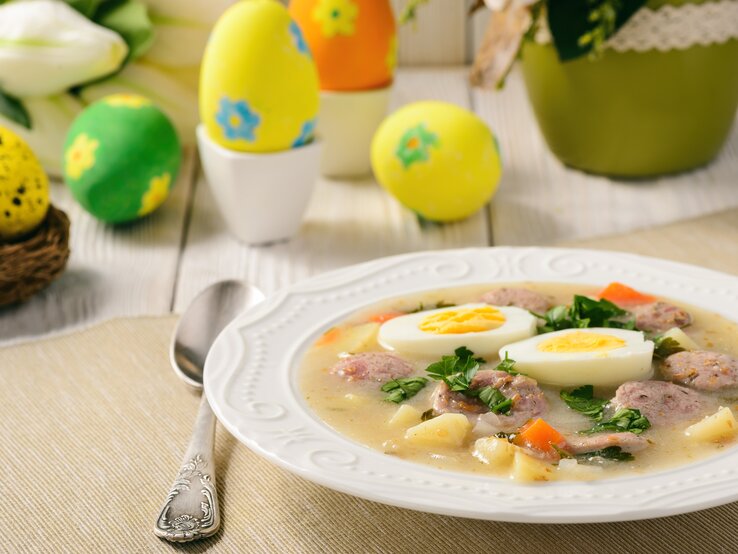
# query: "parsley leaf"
{"type": "Point", "coordinates": [584, 312]}
{"type": "Point", "coordinates": [440, 304]}
{"type": "Point", "coordinates": [497, 402]}
{"type": "Point", "coordinates": [663, 347]}
{"type": "Point", "coordinates": [582, 400]}
{"type": "Point", "coordinates": [507, 365]}
{"type": "Point", "coordinates": [457, 372]}
{"type": "Point", "coordinates": [625, 419]}
{"type": "Point", "coordinates": [402, 389]}
{"type": "Point", "coordinates": [615, 453]}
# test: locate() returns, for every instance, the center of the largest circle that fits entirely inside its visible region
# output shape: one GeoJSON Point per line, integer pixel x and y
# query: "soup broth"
{"type": "Point", "coordinates": [358, 408]}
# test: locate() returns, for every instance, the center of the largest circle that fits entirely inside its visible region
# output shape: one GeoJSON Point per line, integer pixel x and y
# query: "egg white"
{"type": "Point", "coordinates": [403, 333]}
{"type": "Point", "coordinates": [630, 362]}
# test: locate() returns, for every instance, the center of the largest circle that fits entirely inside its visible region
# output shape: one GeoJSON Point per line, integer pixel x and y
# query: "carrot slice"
{"type": "Point", "coordinates": [381, 318]}
{"type": "Point", "coordinates": [331, 335]}
{"type": "Point", "coordinates": [539, 435]}
{"type": "Point", "coordinates": [623, 295]}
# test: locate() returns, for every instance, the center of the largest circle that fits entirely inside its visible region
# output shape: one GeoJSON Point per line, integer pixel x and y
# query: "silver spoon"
{"type": "Point", "coordinates": [191, 511]}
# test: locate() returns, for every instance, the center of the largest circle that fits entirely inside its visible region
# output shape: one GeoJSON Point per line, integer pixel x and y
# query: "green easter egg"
{"type": "Point", "coordinates": [121, 158]}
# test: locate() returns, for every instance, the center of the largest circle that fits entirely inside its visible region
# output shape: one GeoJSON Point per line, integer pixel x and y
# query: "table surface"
{"type": "Point", "coordinates": [157, 265]}
{"type": "Point", "coordinates": [121, 420]}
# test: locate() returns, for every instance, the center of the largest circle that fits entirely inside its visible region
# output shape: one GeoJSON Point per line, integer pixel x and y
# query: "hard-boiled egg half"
{"type": "Point", "coordinates": [573, 357]}
{"type": "Point", "coordinates": [480, 327]}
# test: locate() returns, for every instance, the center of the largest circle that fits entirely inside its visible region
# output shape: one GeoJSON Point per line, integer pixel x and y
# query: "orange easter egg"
{"type": "Point", "coordinates": [354, 42]}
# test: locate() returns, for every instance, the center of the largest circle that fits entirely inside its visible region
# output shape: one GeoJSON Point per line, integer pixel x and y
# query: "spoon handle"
{"type": "Point", "coordinates": [191, 509]}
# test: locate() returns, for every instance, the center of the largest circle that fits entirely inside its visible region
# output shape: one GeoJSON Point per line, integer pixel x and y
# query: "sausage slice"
{"type": "Point", "coordinates": [656, 317]}
{"type": "Point", "coordinates": [372, 366]}
{"type": "Point", "coordinates": [661, 402]}
{"type": "Point", "coordinates": [528, 399]}
{"type": "Point", "coordinates": [522, 298]}
{"type": "Point", "coordinates": [701, 370]}
{"type": "Point", "coordinates": [628, 442]}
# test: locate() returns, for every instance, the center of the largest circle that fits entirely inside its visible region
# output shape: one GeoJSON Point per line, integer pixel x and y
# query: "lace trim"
{"type": "Point", "coordinates": [671, 27]}
{"type": "Point", "coordinates": [678, 27]}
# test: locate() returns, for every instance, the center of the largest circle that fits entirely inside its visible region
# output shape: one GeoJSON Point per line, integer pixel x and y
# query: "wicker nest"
{"type": "Point", "coordinates": [28, 266]}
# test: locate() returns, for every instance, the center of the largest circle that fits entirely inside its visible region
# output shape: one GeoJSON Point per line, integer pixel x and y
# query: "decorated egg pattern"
{"type": "Point", "coordinates": [24, 188]}
{"type": "Point", "coordinates": [354, 41]}
{"type": "Point", "coordinates": [438, 159]}
{"type": "Point", "coordinates": [121, 157]}
{"type": "Point", "coordinates": [258, 81]}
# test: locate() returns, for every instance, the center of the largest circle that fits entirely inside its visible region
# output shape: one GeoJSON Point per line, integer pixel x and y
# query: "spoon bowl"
{"type": "Point", "coordinates": [208, 314]}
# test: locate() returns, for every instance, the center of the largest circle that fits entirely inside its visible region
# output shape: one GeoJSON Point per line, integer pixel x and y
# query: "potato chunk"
{"type": "Point", "coordinates": [527, 468]}
{"type": "Point", "coordinates": [404, 417]}
{"type": "Point", "coordinates": [684, 340]}
{"type": "Point", "coordinates": [444, 430]}
{"type": "Point", "coordinates": [495, 451]}
{"type": "Point", "coordinates": [718, 426]}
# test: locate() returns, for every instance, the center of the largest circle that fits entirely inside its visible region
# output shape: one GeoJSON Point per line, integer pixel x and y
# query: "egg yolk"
{"type": "Point", "coordinates": [463, 320]}
{"type": "Point", "coordinates": [579, 341]}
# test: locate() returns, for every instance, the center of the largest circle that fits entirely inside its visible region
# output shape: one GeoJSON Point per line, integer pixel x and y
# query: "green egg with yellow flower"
{"type": "Point", "coordinates": [121, 158]}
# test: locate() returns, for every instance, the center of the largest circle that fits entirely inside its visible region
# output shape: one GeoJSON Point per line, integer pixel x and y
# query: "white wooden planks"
{"type": "Point", "coordinates": [541, 201]}
{"type": "Point", "coordinates": [437, 37]}
{"type": "Point", "coordinates": [347, 222]}
{"type": "Point", "coordinates": [113, 270]}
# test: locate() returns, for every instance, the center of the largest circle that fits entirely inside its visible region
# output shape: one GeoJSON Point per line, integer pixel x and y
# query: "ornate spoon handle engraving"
{"type": "Point", "coordinates": [191, 509]}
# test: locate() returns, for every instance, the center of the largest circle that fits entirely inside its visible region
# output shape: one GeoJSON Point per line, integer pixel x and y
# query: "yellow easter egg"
{"type": "Point", "coordinates": [437, 159]}
{"type": "Point", "coordinates": [258, 81]}
{"type": "Point", "coordinates": [24, 188]}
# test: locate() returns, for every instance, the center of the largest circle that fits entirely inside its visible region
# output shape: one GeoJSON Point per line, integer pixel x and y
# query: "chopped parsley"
{"type": "Point", "coordinates": [440, 304]}
{"type": "Point", "coordinates": [428, 414]}
{"type": "Point", "coordinates": [585, 312]}
{"type": "Point", "coordinates": [457, 372]}
{"type": "Point", "coordinates": [507, 365]}
{"type": "Point", "coordinates": [403, 389]}
{"type": "Point", "coordinates": [614, 453]}
{"type": "Point", "coordinates": [663, 347]}
{"type": "Point", "coordinates": [582, 400]}
{"type": "Point", "coordinates": [497, 402]}
{"type": "Point", "coordinates": [625, 419]}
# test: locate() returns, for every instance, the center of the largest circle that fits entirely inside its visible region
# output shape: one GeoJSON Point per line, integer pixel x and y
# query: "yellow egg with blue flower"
{"type": "Point", "coordinates": [121, 158]}
{"type": "Point", "coordinates": [258, 81]}
{"type": "Point", "coordinates": [437, 159]}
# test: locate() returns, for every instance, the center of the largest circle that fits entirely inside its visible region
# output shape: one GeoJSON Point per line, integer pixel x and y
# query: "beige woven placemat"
{"type": "Point", "coordinates": [93, 427]}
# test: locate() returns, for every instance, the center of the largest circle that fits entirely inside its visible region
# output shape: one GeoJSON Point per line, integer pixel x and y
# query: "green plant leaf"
{"type": "Point", "coordinates": [13, 109]}
{"type": "Point", "coordinates": [88, 8]}
{"type": "Point", "coordinates": [579, 27]}
{"type": "Point", "coordinates": [130, 19]}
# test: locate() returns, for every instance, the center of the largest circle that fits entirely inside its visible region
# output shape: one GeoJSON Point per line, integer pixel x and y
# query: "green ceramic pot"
{"type": "Point", "coordinates": [635, 114]}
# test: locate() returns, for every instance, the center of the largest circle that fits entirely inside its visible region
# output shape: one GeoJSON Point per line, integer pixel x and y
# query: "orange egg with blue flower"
{"type": "Point", "coordinates": [258, 80]}
{"type": "Point", "coordinates": [121, 158]}
{"type": "Point", "coordinates": [354, 42]}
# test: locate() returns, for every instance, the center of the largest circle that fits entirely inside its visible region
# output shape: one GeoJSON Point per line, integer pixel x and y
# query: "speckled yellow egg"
{"type": "Point", "coordinates": [438, 159]}
{"type": "Point", "coordinates": [121, 158]}
{"type": "Point", "coordinates": [258, 80]}
{"type": "Point", "coordinates": [24, 188]}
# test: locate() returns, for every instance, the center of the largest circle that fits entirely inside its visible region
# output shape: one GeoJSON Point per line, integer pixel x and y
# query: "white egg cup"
{"type": "Point", "coordinates": [346, 125]}
{"type": "Point", "coordinates": [262, 196]}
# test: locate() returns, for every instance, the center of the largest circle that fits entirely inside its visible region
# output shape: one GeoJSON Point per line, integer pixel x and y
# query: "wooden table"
{"type": "Point", "coordinates": [156, 266]}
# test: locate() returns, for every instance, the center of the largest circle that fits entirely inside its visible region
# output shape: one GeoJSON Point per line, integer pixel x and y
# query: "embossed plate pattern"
{"type": "Point", "coordinates": [251, 382]}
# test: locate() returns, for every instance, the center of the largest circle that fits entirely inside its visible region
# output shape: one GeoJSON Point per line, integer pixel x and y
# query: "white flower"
{"type": "Point", "coordinates": [46, 47]}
